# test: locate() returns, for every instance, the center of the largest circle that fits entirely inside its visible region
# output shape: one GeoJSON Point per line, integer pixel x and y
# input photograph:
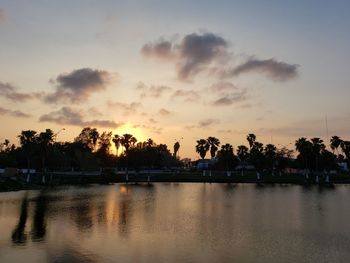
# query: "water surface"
{"type": "Point", "coordinates": [176, 223]}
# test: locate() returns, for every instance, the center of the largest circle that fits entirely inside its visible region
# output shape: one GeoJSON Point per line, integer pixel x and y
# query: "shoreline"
{"type": "Point", "coordinates": [19, 184]}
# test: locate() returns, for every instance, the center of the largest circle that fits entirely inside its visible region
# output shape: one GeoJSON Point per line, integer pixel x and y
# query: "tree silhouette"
{"type": "Point", "coordinates": [214, 144]}
{"type": "Point", "coordinates": [45, 140]}
{"type": "Point", "coordinates": [270, 152]}
{"type": "Point", "coordinates": [116, 140]}
{"type": "Point", "coordinates": [251, 139]}
{"type": "Point", "coordinates": [176, 148]}
{"type": "Point", "coordinates": [226, 156]}
{"type": "Point", "coordinates": [304, 147]}
{"type": "Point", "coordinates": [335, 143]}
{"type": "Point", "coordinates": [127, 140]}
{"type": "Point", "coordinates": [27, 140]}
{"type": "Point", "coordinates": [202, 147]}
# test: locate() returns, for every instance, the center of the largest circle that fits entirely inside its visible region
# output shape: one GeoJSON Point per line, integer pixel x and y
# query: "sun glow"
{"type": "Point", "coordinates": [130, 129]}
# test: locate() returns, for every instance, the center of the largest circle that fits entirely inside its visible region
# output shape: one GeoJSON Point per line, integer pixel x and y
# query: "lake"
{"type": "Point", "coordinates": [176, 223]}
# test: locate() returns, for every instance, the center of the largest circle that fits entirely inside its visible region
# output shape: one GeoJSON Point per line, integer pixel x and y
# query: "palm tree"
{"type": "Point", "coordinates": [335, 143]}
{"type": "Point", "coordinates": [150, 143]}
{"type": "Point", "coordinates": [304, 147]}
{"type": "Point", "coordinates": [256, 155]}
{"type": "Point", "coordinates": [270, 153]}
{"type": "Point", "coordinates": [317, 148]}
{"type": "Point", "coordinates": [94, 135]}
{"type": "Point", "coordinates": [45, 140]}
{"type": "Point", "coordinates": [214, 144]}
{"type": "Point", "coordinates": [202, 147]}
{"type": "Point", "coordinates": [27, 140]}
{"type": "Point", "coordinates": [127, 140]}
{"type": "Point", "coordinates": [251, 139]}
{"type": "Point", "coordinates": [176, 148]}
{"type": "Point", "coordinates": [345, 146]}
{"type": "Point", "coordinates": [116, 140]}
{"type": "Point", "coordinates": [242, 153]}
{"type": "Point", "coordinates": [226, 155]}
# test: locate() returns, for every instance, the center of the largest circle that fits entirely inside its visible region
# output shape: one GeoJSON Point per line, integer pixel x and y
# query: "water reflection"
{"type": "Point", "coordinates": [176, 223]}
{"type": "Point", "coordinates": [18, 235]}
{"type": "Point", "coordinates": [39, 220]}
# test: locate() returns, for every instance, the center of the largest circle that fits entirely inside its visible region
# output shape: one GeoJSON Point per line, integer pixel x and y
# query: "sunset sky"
{"type": "Point", "coordinates": [170, 69]}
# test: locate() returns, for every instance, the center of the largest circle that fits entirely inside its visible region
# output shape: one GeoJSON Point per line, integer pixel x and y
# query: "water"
{"type": "Point", "coordinates": [176, 223]}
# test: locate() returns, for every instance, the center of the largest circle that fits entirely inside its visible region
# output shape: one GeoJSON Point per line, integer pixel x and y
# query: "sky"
{"type": "Point", "coordinates": [176, 70]}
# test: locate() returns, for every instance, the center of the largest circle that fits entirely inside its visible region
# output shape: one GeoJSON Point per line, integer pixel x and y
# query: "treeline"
{"type": "Point", "coordinates": [90, 150]}
{"type": "Point", "coordinates": [311, 154]}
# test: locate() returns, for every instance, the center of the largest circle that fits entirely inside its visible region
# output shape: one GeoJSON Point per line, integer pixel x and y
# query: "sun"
{"type": "Point", "coordinates": [130, 129]}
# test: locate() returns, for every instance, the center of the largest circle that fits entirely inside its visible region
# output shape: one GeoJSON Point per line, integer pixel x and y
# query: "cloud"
{"type": "Point", "coordinates": [2, 16]}
{"type": "Point", "coordinates": [161, 49]}
{"type": "Point", "coordinates": [164, 112]}
{"type": "Point", "coordinates": [151, 120]}
{"type": "Point", "coordinates": [207, 123]}
{"type": "Point", "coordinates": [70, 116]}
{"type": "Point", "coordinates": [14, 113]}
{"type": "Point", "coordinates": [276, 70]}
{"type": "Point", "coordinates": [231, 98]}
{"type": "Point", "coordinates": [152, 91]}
{"type": "Point", "coordinates": [187, 95]}
{"type": "Point", "coordinates": [127, 108]}
{"type": "Point", "coordinates": [9, 92]}
{"type": "Point", "coordinates": [210, 53]}
{"type": "Point", "coordinates": [223, 86]}
{"type": "Point", "coordinates": [194, 53]}
{"type": "Point", "coordinates": [78, 85]}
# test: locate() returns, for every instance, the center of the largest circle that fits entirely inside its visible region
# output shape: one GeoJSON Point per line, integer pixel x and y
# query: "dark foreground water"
{"type": "Point", "coordinates": [176, 223]}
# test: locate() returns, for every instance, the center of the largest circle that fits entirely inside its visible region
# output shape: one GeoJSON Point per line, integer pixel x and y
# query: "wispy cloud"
{"type": "Point", "coordinates": [164, 112]}
{"type": "Point", "coordinates": [231, 98]}
{"type": "Point", "coordinates": [127, 108]}
{"type": "Point", "coordinates": [276, 70]}
{"type": "Point", "coordinates": [223, 86]}
{"type": "Point", "coordinates": [208, 122]}
{"type": "Point", "coordinates": [186, 95]}
{"type": "Point", "coordinates": [152, 91]}
{"type": "Point", "coordinates": [70, 116]}
{"type": "Point", "coordinates": [78, 85]}
{"type": "Point", "coordinates": [9, 92]}
{"type": "Point", "coordinates": [13, 113]}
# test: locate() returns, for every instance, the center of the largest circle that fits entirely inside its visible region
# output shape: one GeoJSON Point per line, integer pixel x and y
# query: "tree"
{"type": "Point", "coordinates": [27, 141]}
{"type": "Point", "coordinates": [251, 139]}
{"type": "Point", "coordinates": [45, 140]}
{"type": "Point", "coordinates": [304, 147]}
{"type": "Point", "coordinates": [335, 143]}
{"type": "Point", "coordinates": [176, 148]}
{"type": "Point", "coordinates": [116, 140]}
{"type": "Point", "coordinates": [345, 146]}
{"type": "Point", "coordinates": [256, 156]}
{"type": "Point", "coordinates": [202, 147]}
{"type": "Point", "coordinates": [317, 148]}
{"type": "Point", "coordinates": [270, 151]}
{"type": "Point", "coordinates": [88, 137]}
{"type": "Point", "coordinates": [127, 140]}
{"type": "Point", "coordinates": [242, 153]}
{"type": "Point", "coordinates": [226, 157]}
{"type": "Point", "coordinates": [214, 144]}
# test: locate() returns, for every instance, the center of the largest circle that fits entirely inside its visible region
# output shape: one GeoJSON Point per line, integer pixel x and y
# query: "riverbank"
{"type": "Point", "coordinates": [50, 180]}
